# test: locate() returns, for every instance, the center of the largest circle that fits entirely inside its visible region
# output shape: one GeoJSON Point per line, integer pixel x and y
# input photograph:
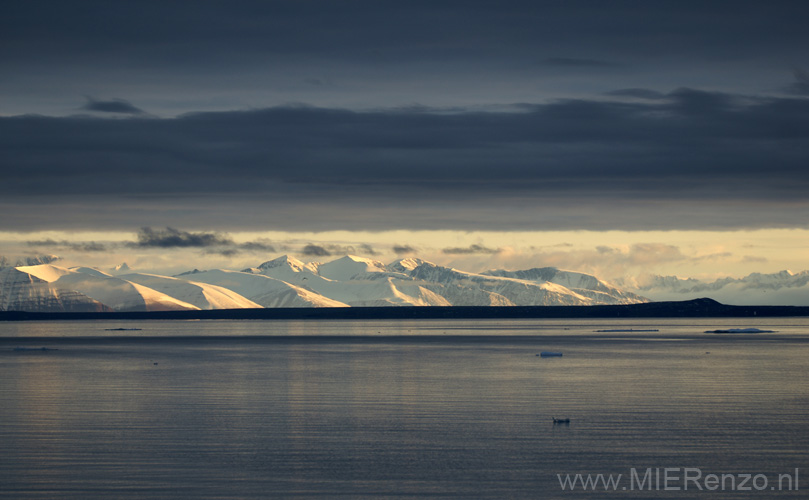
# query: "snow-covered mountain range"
{"type": "Point", "coordinates": [349, 281]}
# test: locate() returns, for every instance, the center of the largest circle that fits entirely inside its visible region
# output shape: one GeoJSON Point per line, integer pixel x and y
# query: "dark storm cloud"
{"type": "Point", "coordinates": [471, 249]}
{"type": "Point", "coordinates": [46, 243]}
{"type": "Point", "coordinates": [111, 106]}
{"type": "Point", "coordinates": [223, 251]}
{"type": "Point", "coordinates": [174, 238]}
{"type": "Point", "coordinates": [257, 246]}
{"type": "Point", "coordinates": [366, 249]}
{"type": "Point", "coordinates": [312, 250]}
{"type": "Point", "coordinates": [403, 249]}
{"type": "Point", "coordinates": [689, 148]}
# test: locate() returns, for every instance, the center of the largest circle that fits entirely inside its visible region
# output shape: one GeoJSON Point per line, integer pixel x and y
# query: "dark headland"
{"type": "Point", "coordinates": [697, 308]}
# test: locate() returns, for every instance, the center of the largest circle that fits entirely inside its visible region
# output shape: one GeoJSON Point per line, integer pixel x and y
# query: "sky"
{"type": "Point", "coordinates": [618, 138]}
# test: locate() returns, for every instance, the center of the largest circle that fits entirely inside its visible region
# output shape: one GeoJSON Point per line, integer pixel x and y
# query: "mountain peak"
{"type": "Point", "coordinates": [361, 260]}
{"type": "Point", "coordinates": [345, 268]}
{"type": "Point", "coordinates": [284, 260]}
{"type": "Point", "coordinates": [406, 264]}
{"type": "Point", "coordinates": [45, 272]}
{"type": "Point", "coordinates": [121, 268]}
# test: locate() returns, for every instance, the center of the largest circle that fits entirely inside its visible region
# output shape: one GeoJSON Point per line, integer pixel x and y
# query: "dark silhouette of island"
{"type": "Point", "coordinates": [697, 308]}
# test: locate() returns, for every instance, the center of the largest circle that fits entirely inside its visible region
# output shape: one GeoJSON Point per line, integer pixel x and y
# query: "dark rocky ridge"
{"type": "Point", "coordinates": [698, 308]}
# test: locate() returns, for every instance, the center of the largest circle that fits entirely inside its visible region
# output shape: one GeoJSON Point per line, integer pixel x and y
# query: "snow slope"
{"type": "Point", "coordinates": [263, 290]}
{"type": "Point", "coordinates": [22, 291]}
{"type": "Point", "coordinates": [115, 293]}
{"type": "Point", "coordinates": [201, 295]}
{"type": "Point", "coordinates": [350, 267]}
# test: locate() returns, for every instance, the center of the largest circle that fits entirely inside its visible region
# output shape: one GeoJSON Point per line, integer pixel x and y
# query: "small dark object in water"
{"type": "Point", "coordinates": [27, 349]}
{"type": "Point", "coordinates": [629, 330]}
{"type": "Point", "coordinates": [550, 354]}
{"type": "Point", "coordinates": [560, 421]}
{"type": "Point", "coordinates": [741, 330]}
{"type": "Point", "coordinates": [122, 329]}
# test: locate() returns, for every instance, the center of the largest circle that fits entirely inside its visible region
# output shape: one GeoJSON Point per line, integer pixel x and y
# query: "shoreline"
{"type": "Point", "coordinates": [697, 308]}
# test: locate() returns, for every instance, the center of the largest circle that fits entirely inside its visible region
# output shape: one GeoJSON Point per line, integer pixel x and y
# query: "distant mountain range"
{"type": "Point", "coordinates": [782, 288]}
{"type": "Point", "coordinates": [286, 282]}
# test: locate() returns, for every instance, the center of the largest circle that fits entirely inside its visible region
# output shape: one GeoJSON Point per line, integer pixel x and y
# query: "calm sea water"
{"type": "Point", "coordinates": [404, 409]}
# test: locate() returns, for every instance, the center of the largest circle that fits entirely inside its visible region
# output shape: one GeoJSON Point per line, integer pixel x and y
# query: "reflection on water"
{"type": "Point", "coordinates": [261, 409]}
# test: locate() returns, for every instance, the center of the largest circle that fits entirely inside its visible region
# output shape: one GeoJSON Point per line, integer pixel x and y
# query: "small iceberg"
{"type": "Point", "coordinates": [741, 330]}
{"type": "Point", "coordinates": [550, 354]}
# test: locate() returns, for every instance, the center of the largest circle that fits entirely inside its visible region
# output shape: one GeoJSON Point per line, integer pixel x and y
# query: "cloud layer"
{"type": "Point", "coordinates": [422, 115]}
{"type": "Point", "coordinates": [691, 159]}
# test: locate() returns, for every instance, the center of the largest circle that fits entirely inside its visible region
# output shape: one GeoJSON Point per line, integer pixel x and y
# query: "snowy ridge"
{"type": "Point", "coordinates": [357, 281]}
{"type": "Point", "coordinates": [262, 290]}
{"type": "Point", "coordinates": [349, 281]}
{"type": "Point", "coordinates": [583, 284]}
{"type": "Point", "coordinates": [499, 290]}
